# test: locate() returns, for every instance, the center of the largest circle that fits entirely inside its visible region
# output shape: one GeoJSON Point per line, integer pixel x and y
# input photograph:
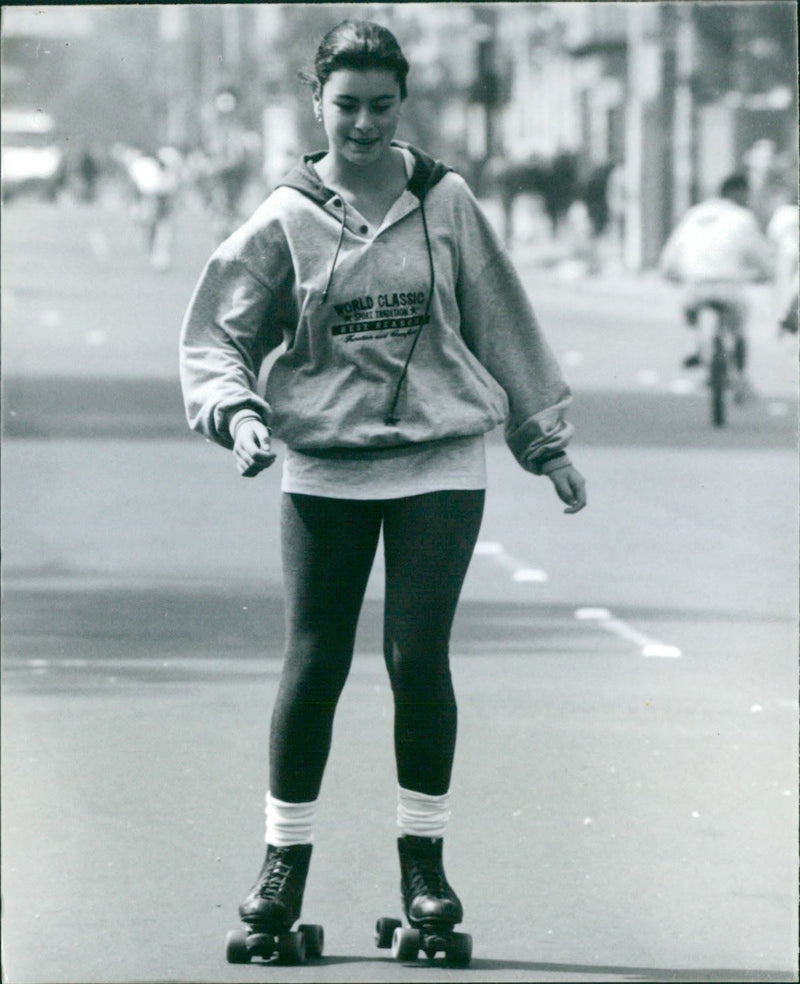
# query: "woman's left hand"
{"type": "Point", "coordinates": [252, 448]}
{"type": "Point", "coordinates": [570, 486]}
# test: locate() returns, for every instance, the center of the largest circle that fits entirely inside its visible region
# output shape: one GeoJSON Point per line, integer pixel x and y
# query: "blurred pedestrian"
{"type": "Point", "coordinates": [157, 180]}
{"type": "Point", "coordinates": [87, 171]}
{"type": "Point", "coordinates": [616, 197]}
{"type": "Point", "coordinates": [783, 232]}
{"type": "Point", "coordinates": [761, 164]}
{"type": "Point", "coordinates": [227, 163]}
{"type": "Point", "coordinates": [716, 249]}
{"type": "Point", "coordinates": [597, 197]}
{"type": "Point", "coordinates": [407, 336]}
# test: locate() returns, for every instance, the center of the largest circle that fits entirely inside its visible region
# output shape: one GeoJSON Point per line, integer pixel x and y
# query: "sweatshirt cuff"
{"type": "Point", "coordinates": [248, 413]}
{"type": "Point", "coordinates": [560, 460]}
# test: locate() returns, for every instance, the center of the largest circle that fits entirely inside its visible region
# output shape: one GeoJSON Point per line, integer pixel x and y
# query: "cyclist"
{"type": "Point", "coordinates": [716, 249]}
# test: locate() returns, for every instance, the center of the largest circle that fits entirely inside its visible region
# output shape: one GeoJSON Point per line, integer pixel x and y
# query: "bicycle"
{"type": "Point", "coordinates": [718, 322]}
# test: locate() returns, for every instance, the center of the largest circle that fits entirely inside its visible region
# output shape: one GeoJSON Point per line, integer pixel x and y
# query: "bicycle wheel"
{"type": "Point", "coordinates": [740, 352]}
{"type": "Point", "coordinates": [718, 380]}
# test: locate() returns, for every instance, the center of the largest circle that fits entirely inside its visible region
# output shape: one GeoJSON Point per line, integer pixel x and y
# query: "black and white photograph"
{"type": "Point", "coordinates": [400, 492]}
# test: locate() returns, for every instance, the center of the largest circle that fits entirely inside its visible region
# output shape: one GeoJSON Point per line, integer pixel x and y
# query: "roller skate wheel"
{"type": "Point", "coordinates": [291, 948]}
{"type": "Point", "coordinates": [384, 932]}
{"type": "Point", "coordinates": [459, 952]}
{"type": "Point", "coordinates": [405, 944]}
{"type": "Point", "coordinates": [236, 948]}
{"type": "Point", "coordinates": [315, 939]}
{"type": "Point", "coordinates": [261, 944]}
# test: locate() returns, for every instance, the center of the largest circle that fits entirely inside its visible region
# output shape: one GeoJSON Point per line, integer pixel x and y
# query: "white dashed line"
{"type": "Point", "coordinates": [98, 243]}
{"type": "Point", "coordinates": [519, 571]}
{"type": "Point", "coordinates": [648, 646]}
{"type": "Point", "coordinates": [682, 386]}
{"type": "Point", "coordinates": [95, 337]}
{"type": "Point", "coordinates": [777, 409]}
{"type": "Point", "coordinates": [530, 574]}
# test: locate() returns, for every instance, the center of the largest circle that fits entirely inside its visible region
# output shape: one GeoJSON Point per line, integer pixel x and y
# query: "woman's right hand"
{"type": "Point", "coordinates": [252, 448]}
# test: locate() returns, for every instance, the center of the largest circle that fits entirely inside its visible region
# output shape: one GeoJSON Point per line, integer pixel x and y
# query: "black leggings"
{"type": "Point", "coordinates": [328, 549]}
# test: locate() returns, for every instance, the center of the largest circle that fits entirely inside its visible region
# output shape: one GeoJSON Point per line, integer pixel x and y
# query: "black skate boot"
{"type": "Point", "coordinates": [427, 895]}
{"type": "Point", "coordinates": [430, 904]}
{"type": "Point", "coordinates": [276, 898]}
{"type": "Point", "coordinates": [274, 903]}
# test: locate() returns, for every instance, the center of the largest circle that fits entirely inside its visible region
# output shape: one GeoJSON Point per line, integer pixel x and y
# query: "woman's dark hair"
{"type": "Point", "coordinates": [358, 45]}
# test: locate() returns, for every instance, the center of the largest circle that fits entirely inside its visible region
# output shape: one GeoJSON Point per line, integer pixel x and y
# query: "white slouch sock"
{"type": "Point", "coordinates": [289, 823]}
{"type": "Point", "coordinates": [420, 815]}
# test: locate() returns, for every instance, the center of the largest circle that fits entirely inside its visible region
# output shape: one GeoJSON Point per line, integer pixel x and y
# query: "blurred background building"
{"type": "Point", "coordinates": [667, 97]}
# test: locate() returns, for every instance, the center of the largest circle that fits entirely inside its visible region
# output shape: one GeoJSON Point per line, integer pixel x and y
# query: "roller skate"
{"type": "Point", "coordinates": [273, 905]}
{"type": "Point", "coordinates": [431, 907]}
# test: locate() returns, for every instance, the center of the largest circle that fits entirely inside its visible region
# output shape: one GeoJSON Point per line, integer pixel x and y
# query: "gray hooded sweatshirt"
{"type": "Point", "coordinates": [418, 330]}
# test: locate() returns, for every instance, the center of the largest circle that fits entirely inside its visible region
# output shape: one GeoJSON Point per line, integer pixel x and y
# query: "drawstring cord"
{"type": "Point", "coordinates": [390, 419]}
{"type": "Point", "coordinates": [336, 254]}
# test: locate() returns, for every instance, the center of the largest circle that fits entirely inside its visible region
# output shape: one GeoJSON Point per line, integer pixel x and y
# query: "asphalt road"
{"type": "Point", "coordinates": [626, 783]}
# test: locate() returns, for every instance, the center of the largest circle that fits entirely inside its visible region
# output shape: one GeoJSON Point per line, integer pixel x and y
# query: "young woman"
{"type": "Point", "coordinates": [407, 336]}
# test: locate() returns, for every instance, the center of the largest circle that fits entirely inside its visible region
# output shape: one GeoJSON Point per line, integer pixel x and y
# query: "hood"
{"type": "Point", "coordinates": [303, 178]}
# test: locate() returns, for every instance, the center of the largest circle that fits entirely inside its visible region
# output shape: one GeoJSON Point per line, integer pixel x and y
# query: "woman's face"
{"type": "Point", "coordinates": [360, 112]}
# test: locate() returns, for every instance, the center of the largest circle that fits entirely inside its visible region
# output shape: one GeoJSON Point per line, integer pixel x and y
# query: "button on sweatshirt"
{"type": "Point", "coordinates": [418, 330]}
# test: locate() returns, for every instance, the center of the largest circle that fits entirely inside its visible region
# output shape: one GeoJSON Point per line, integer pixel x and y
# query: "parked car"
{"type": "Point", "coordinates": [32, 161]}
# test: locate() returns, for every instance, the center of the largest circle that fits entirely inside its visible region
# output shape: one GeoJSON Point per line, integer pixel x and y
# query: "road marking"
{"type": "Point", "coordinates": [647, 377]}
{"type": "Point", "coordinates": [519, 570]}
{"type": "Point", "coordinates": [649, 647]}
{"type": "Point", "coordinates": [98, 241]}
{"type": "Point", "coordinates": [682, 386]}
{"type": "Point", "coordinates": [776, 409]}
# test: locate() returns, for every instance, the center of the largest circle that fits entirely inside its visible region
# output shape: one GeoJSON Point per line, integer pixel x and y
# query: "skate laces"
{"type": "Point", "coordinates": [427, 877]}
{"type": "Point", "coordinates": [275, 878]}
